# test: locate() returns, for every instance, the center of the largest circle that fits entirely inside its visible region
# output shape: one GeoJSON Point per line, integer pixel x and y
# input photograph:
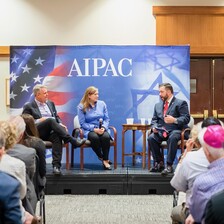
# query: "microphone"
{"type": "Point", "coordinates": [100, 123]}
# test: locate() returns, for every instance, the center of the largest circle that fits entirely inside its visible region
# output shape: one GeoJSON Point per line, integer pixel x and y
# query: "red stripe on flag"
{"type": "Point", "coordinates": [62, 70]}
{"type": "Point", "coordinates": [60, 98]}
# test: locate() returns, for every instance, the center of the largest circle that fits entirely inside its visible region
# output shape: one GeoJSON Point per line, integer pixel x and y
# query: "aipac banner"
{"type": "Point", "coordinates": [127, 78]}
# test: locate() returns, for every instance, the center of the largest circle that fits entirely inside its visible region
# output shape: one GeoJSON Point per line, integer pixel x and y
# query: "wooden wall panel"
{"type": "Point", "coordinates": [200, 27]}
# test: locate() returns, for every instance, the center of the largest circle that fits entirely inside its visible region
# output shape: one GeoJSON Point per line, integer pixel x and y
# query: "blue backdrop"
{"type": "Point", "coordinates": [127, 78]}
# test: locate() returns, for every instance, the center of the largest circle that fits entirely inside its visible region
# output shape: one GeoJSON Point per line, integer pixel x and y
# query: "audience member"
{"type": "Point", "coordinates": [28, 156]}
{"type": "Point", "coordinates": [170, 116]}
{"type": "Point", "coordinates": [211, 181]}
{"type": "Point", "coordinates": [31, 139]}
{"type": "Point", "coordinates": [14, 167]}
{"type": "Point", "coordinates": [192, 163]}
{"type": "Point", "coordinates": [94, 120]}
{"type": "Point", "coordinates": [10, 211]}
{"type": "Point", "coordinates": [214, 209]}
{"type": "Point", "coordinates": [49, 124]}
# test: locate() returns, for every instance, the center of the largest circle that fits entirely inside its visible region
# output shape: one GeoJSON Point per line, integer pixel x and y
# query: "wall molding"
{"type": "Point", "coordinates": [4, 51]}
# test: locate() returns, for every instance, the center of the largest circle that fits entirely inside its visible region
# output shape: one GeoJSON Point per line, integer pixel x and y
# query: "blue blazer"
{"type": "Point", "coordinates": [178, 109]}
{"type": "Point", "coordinates": [10, 211]}
{"type": "Point", "coordinates": [33, 109]}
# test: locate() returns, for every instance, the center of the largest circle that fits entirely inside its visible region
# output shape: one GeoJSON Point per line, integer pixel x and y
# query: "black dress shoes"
{"type": "Point", "coordinates": [158, 167]}
{"type": "Point", "coordinates": [167, 171]}
{"type": "Point", "coordinates": [77, 143]}
{"type": "Point", "coordinates": [56, 170]}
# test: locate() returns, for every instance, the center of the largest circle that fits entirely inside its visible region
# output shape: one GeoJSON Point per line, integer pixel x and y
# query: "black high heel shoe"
{"type": "Point", "coordinates": [109, 162]}
{"type": "Point", "coordinates": [106, 167]}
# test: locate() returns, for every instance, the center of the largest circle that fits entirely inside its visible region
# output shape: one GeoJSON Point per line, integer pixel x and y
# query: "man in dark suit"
{"type": "Point", "coordinates": [10, 210]}
{"type": "Point", "coordinates": [170, 116]}
{"type": "Point", "coordinates": [49, 124]}
{"type": "Point", "coordinates": [214, 209]}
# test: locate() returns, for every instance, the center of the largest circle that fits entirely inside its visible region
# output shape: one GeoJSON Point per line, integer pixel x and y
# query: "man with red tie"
{"type": "Point", "coordinates": [170, 116]}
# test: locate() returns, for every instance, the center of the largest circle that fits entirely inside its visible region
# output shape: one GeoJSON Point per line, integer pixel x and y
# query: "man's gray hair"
{"type": "Point", "coordinates": [37, 88]}
{"type": "Point", "coordinates": [2, 139]}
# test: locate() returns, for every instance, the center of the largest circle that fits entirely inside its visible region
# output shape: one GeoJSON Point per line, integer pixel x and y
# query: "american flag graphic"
{"type": "Point", "coordinates": [37, 65]}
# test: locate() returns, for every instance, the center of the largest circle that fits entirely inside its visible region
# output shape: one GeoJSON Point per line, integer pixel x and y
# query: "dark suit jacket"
{"type": "Point", "coordinates": [178, 109]}
{"type": "Point", "coordinates": [32, 109]}
{"type": "Point", "coordinates": [10, 211]}
{"type": "Point", "coordinates": [28, 156]}
{"type": "Point", "coordinates": [214, 212]}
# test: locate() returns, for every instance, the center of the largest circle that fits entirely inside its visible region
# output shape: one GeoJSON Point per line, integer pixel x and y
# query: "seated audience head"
{"type": "Point", "coordinates": [31, 128]}
{"type": "Point", "coordinates": [212, 140]}
{"type": "Point", "coordinates": [10, 132]}
{"type": "Point", "coordinates": [20, 126]}
{"type": "Point", "coordinates": [210, 121]}
{"type": "Point", "coordinates": [2, 143]}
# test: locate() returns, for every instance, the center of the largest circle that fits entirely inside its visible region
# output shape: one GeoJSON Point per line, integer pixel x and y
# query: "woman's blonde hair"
{"type": "Point", "coordinates": [10, 132]}
{"type": "Point", "coordinates": [85, 99]}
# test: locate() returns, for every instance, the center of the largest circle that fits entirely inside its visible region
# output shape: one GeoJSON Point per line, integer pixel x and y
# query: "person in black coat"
{"type": "Point", "coordinates": [170, 116]}
{"type": "Point", "coordinates": [214, 212]}
{"type": "Point", "coordinates": [10, 210]}
{"type": "Point", "coordinates": [49, 124]}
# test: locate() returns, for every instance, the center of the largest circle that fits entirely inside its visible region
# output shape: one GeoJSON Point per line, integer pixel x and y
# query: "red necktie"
{"type": "Point", "coordinates": [166, 105]}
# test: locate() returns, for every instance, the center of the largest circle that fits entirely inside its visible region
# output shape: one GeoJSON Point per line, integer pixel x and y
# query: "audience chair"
{"type": "Point", "coordinates": [40, 191]}
{"type": "Point", "coordinates": [181, 143]}
{"type": "Point", "coordinates": [78, 132]}
{"type": "Point", "coordinates": [48, 145]}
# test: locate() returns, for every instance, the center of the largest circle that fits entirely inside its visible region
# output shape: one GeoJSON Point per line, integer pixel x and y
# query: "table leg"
{"type": "Point", "coordinates": [123, 146]}
{"type": "Point", "coordinates": [133, 147]}
{"type": "Point", "coordinates": [144, 148]}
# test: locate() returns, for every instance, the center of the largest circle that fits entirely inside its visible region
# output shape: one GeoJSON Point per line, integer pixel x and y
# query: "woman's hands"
{"type": "Point", "coordinates": [99, 131]}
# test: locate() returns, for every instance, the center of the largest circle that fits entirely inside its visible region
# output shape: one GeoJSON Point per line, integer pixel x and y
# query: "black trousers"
{"type": "Point", "coordinates": [50, 130]}
{"type": "Point", "coordinates": [100, 144]}
{"type": "Point", "coordinates": [155, 141]}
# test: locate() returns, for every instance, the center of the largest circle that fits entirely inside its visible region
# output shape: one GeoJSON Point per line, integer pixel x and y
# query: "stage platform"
{"type": "Point", "coordinates": [94, 179]}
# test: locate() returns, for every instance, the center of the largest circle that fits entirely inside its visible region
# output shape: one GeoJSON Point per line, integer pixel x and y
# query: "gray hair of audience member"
{"type": "Point", "coordinates": [37, 88]}
{"type": "Point", "coordinates": [20, 124]}
{"type": "Point", "coordinates": [2, 139]}
{"type": "Point", "coordinates": [212, 140]}
{"type": "Point", "coordinates": [10, 133]}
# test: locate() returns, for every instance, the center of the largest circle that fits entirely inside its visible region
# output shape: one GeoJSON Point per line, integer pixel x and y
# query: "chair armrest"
{"type": "Point", "coordinates": [78, 132]}
{"type": "Point", "coordinates": [182, 136]}
{"type": "Point", "coordinates": [114, 133]}
{"type": "Point", "coordinates": [149, 132]}
{"type": "Point", "coordinates": [184, 131]}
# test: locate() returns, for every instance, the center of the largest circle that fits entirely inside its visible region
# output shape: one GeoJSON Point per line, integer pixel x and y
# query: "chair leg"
{"type": "Point", "coordinates": [72, 157]}
{"type": "Point", "coordinates": [149, 157]}
{"type": "Point", "coordinates": [81, 158]}
{"type": "Point", "coordinates": [115, 157]}
{"type": "Point", "coordinates": [67, 156]}
{"type": "Point", "coordinates": [42, 209]}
